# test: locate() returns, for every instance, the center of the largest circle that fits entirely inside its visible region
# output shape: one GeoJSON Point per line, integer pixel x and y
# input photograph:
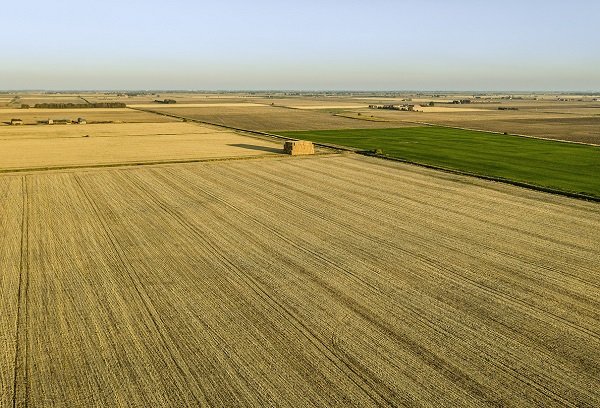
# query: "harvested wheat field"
{"type": "Point", "coordinates": [335, 280]}
{"type": "Point", "coordinates": [269, 118]}
{"type": "Point", "coordinates": [34, 116]}
{"type": "Point", "coordinates": [50, 146]}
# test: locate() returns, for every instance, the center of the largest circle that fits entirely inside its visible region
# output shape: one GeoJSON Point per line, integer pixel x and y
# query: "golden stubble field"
{"type": "Point", "coordinates": [48, 146]}
{"type": "Point", "coordinates": [336, 280]}
{"type": "Point", "coordinates": [318, 281]}
{"type": "Point", "coordinates": [115, 115]}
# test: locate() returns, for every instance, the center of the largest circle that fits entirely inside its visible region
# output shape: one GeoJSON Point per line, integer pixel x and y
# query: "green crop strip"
{"type": "Point", "coordinates": [556, 165]}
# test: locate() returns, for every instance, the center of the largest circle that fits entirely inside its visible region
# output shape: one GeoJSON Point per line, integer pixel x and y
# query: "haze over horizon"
{"type": "Point", "coordinates": [309, 45]}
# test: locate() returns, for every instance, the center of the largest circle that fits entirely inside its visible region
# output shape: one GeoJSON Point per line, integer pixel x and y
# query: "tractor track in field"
{"type": "Point", "coordinates": [21, 365]}
{"type": "Point", "coordinates": [450, 371]}
{"type": "Point", "coordinates": [376, 171]}
{"type": "Point", "coordinates": [255, 286]}
{"type": "Point", "coordinates": [168, 344]}
{"type": "Point", "coordinates": [470, 214]}
{"type": "Point", "coordinates": [433, 265]}
{"type": "Point", "coordinates": [439, 271]}
{"type": "Point", "coordinates": [332, 280]}
{"type": "Point", "coordinates": [349, 226]}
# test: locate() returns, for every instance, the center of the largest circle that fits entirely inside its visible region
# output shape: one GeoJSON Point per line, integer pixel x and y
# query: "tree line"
{"type": "Point", "coordinates": [80, 105]}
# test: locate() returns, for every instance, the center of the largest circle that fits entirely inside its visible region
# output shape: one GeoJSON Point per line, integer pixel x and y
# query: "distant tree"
{"type": "Point", "coordinates": [24, 106]}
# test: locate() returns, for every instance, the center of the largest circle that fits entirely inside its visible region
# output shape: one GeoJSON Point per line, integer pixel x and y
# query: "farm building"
{"type": "Point", "coordinates": [59, 121]}
{"type": "Point", "coordinates": [297, 147]}
{"type": "Point", "coordinates": [16, 122]}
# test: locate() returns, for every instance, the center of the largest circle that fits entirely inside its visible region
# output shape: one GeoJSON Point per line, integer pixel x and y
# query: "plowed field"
{"type": "Point", "coordinates": [317, 281]}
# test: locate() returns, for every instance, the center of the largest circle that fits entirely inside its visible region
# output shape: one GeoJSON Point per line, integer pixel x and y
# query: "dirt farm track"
{"type": "Point", "coordinates": [334, 280]}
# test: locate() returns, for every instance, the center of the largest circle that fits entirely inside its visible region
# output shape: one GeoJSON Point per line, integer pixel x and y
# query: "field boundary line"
{"type": "Point", "coordinates": [180, 364]}
{"type": "Point", "coordinates": [21, 364]}
{"type": "Point", "coordinates": [83, 99]}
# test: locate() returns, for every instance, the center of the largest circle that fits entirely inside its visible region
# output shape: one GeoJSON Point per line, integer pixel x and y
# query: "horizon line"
{"type": "Point", "coordinates": [297, 90]}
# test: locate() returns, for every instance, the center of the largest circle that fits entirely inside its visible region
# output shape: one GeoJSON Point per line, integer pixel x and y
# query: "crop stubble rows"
{"type": "Point", "coordinates": [11, 218]}
{"type": "Point", "coordinates": [320, 281]}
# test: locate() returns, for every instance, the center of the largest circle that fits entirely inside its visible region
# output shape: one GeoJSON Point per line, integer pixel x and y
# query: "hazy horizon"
{"type": "Point", "coordinates": [308, 91]}
{"type": "Point", "coordinates": [380, 46]}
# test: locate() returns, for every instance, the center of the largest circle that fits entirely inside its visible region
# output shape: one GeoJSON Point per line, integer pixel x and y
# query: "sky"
{"type": "Point", "coordinates": [382, 45]}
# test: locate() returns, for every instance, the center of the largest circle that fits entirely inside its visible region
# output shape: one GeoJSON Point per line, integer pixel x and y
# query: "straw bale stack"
{"type": "Point", "coordinates": [299, 147]}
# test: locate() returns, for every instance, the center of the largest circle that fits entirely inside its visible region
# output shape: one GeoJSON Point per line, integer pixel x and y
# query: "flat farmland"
{"type": "Point", "coordinates": [313, 103]}
{"type": "Point", "coordinates": [575, 119]}
{"type": "Point", "coordinates": [545, 117]}
{"type": "Point", "coordinates": [32, 99]}
{"type": "Point", "coordinates": [213, 104]}
{"type": "Point", "coordinates": [567, 122]}
{"type": "Point", "coordinates": [116, 115]}
{"type": "Point", "coordinates": [269, 118]}
{"type": "Point", "coordinates": [567, 167]}
{"type": "Point", "coordinates": [336, 280]}
{"type": "Point", "coordinates": [51, 146]}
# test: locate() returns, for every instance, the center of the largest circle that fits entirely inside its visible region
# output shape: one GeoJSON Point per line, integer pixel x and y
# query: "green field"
{"type": "Point", "coordinates": [556, 165]}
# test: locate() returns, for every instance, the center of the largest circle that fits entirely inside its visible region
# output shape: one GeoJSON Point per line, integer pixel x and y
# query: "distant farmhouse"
{"type": "Point", "coordinates": [59, 121]}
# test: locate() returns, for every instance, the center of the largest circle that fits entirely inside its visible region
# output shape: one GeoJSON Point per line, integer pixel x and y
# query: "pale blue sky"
{"type": "Point", "coordinates": [304, 45]}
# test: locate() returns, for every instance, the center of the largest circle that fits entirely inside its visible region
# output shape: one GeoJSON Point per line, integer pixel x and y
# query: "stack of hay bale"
{"type": "Point", "coordinates": [298, 147]}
